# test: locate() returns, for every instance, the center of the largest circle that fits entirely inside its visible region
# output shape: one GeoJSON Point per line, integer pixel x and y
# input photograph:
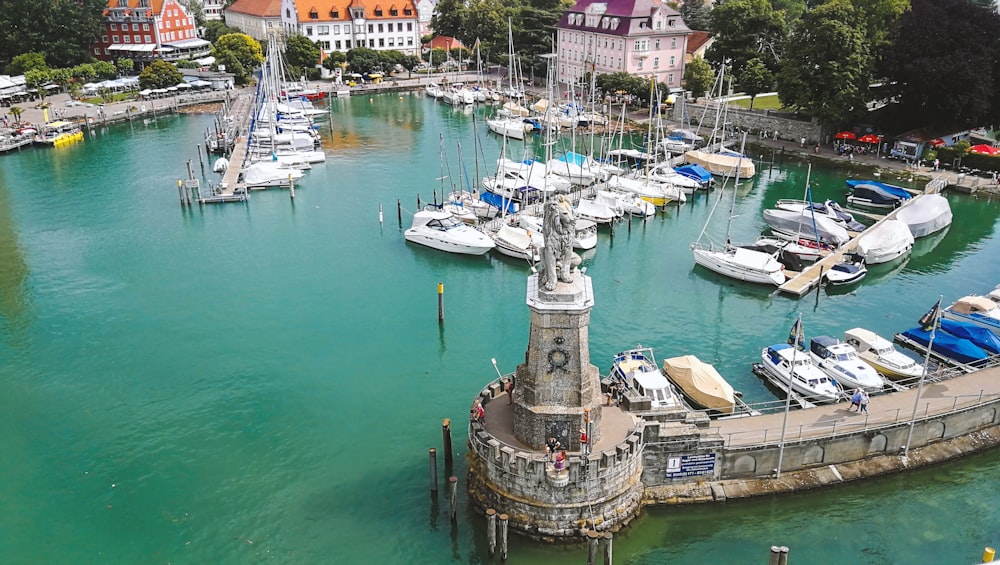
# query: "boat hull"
{"type": "Point", "coordinates": [720, 262]}
{"type": "Point", "coordinates": [445, 245]}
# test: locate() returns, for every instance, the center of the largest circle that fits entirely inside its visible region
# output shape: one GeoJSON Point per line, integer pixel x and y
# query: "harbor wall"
{"type": "Point", "coordinates": [786, 128]}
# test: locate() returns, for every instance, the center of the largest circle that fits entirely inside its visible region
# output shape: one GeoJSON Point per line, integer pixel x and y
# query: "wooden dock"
{"type": "Point", "coordinates": [230, 189]}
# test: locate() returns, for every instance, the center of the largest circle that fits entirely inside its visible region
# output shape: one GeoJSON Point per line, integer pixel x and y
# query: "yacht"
{"type": "Point", "coordinates": [784, 362]}
{"type": "Point", "coordinates": [881, 354]}
{"type": "Point", "coordinates": [440, 230]}
{"type": "Point", "coordinates": [841, 362]}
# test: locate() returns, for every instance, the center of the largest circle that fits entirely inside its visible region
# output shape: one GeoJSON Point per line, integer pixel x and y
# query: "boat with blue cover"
{"type": "Point", "coordinates": [945, 345]}
{"type": "Point", "coordinates": [697, 173]}
{"type": "Point", "coordinates": [978, 310]}
{"type": "Point", "coordinates": [890, 188]}
{"type": "Point", "coordinates": [982, 337]}
{"type": "Point", "coordinates": [873, 195]}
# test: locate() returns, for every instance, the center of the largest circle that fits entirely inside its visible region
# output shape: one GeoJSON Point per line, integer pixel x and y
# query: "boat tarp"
{"type": "Point", "coordinates": [515, 237]}
{"type": "Point", "coordinates": [695, 171]}
{"type": "Point", "coordinates": [506, 205]}
{"type": "Point", "coordinates": [973, 305]}
{"type": "Point", "coordinates": [701, 383]}
{"type": "Point", "coordinates": [722, 165]}
{"type": "Point", "coordinates": [576, 158]}
{"type": "Point", "coordinates": [867, 338]}
{"type": "Point", "coordinates": [685, 135]}
{"type": "Point", "coordinates": [959, 349]}
{"type": "Point", "coordinates": [887, 239]}
{"type": "Point", "coordinates": [889, 188]}
{"type": "Point", "coordinates": [926, 214]}
{"type": "Point", "coordinates": [807, 225]}
{"type": "Point", "coordinates": [982, 337]}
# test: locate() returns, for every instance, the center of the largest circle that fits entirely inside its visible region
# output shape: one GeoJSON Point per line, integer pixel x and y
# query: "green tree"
{"type": "Point", "coordinates": [215, 29]}
{"type": "Point", "coordinates": [195, 8]}
{"type": "Point", "coordinates": [941, 65]}
{"type": "Point", "coordinates": [744, 30]}
{"type": "Point", "coordinates": [533, 29]}
{"type": "Point", "coordinates": [300, 52]}
{"type": "Point", "coordinates": [105, 70]}
{"type": "Point", "coordinates": [239, 53]}
{"type": "Point", "coordinates": [125, 65]}
{"type": "Point", "coordinates": [696, 14]}
{"type": "Point", "coordinates": [410, 62]}
{"type": "Point", "coordinates": [698, 77]}
{"type": "Point", "coordinates": [449, 18]}
{"type": "Point", "coordinates": [36, 79]}
{"type": "Point", "coordinates": [485, 20]}
{"type": "Point", "coordinates": [389, 59]}
{"type": "Point", "coordinates": [25, 62]}
{"type": "Point", "coordinates": [335, 61]}
{"type": "Point", "coordinates": [362, 60]}
{"type": "Point", "coordinates": [754, 79]}
{"type": "Point", "coordinates": [16, 111]}
{"type": "Point", "coordinates": [85, 72]}
{"type": "Point", "coordinates": [829, 66]}
{"type": "Point", "coordinates": [66, 29]}
{"type": "Point", "coordinates": [792, 9]}
{"type": "Point", "coordinates": [187, 64]}
{"type": "Point", "coordinates": [160, 74]}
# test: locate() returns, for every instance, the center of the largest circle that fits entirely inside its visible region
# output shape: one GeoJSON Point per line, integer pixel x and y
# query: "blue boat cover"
{"type": "Point", "coordinates": [499, 201]}
{"type": "Point", "coordinates": [696, 172]}
{"type": "Point", "coordinates": [982, 337]}
{"type": "Point", "coordinates": [961, 350]}
{"type": "Point", "coordinates": [575, 158]}
{"type": "Point", "coordinates": [890, 188]}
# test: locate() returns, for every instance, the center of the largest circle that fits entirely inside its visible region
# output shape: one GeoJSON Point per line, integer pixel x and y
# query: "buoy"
{"type": "Point", "coordinates": [988, 554]}
{"type": "Point", "coordinates": [400, 98]}
{"type": "Point", "coordinates": [371, 100]}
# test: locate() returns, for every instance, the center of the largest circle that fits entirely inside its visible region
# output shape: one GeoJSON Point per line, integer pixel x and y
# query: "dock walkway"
{"type": "Point", "coordinates": [240, 118]}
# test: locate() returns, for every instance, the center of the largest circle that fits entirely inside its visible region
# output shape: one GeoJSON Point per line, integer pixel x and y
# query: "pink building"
{"type": "Point", "coordinates": [640, 37]}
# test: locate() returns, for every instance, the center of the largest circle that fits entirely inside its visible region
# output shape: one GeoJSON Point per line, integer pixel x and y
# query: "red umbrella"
{"type": "Point", "coordinates": [936, 142]}
{"type": "Point", "coordinates": [985, 149]}
{"type": "Point", "coordinates": [845, 135]}
{"type": "Point", "coordinates": [869, 138]}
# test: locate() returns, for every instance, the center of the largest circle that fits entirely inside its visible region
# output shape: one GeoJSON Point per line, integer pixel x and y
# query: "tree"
{"type": "Point", "coordinates": [698, 77]}
{"type": "Point", "coordinates": [410, 62]}
{"type": "Point", "coordinates": [16, 111]}
{"type": "Point", "coordinates": [754, 79]}
{"type": "Point", "coordinates": [829, 66]}
{"type": "Point", "coordinates": [160, 74]}
{"type": "Point", "coordinates": [534, 27]}
{"type": "Point", "coordinates": [105, 70]}
{"type": "Point", "coordinates": [25, 62]}
{"type": "Point", "coordinates": [300, 52]}
{"type": "Point", "coordinates": [696, 14]}
{"type": "Point", "coordinates": [448, 18]}
{"type": "Point", "coordinates": [187, 64]}
{"type": "Point", "coordinates": [125, 65]}
{"type": "Point", "coordinates": [792, 9]}
{"type": "Point", "coordinates": [335, 61]}
{"type": "Point", "coordinates": [215, 29]}
{"type": "Point", "coordinates": [485, 20]}
{"type": "Point", "coordinates": [744, 30]}
{"type": "Point", "coordinates": [36, 79]}
{"type": "Point", "coordinates": [239, 53]}
{"type": "Point", "coordinates": [941, 64]}
{"type": "Point", "coordinates": [85, 72]}
{"type": "Point", "coordinates": [362, 60]}
{"type": "Point", "coordinates": [66, 29]}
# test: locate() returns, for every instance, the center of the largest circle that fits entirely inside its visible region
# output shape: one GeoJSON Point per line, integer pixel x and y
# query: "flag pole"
{"type": "Point", "coordinates": [920, 384]}
{"type": "Point", "coordinates": [788, 396]}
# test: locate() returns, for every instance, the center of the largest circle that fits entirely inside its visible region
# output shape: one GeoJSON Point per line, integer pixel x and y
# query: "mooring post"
{"type": "Point", "coordinates": [503, 536]}
{"type": "Point", "coordinates": [453, 497]}
{"type": "Point", "coordinates": [608, 537]}
{"type": "Point", "coordinates": [446, 441]}
{"type": "Point", "coordinates": [418, 203]}
{"type": "Point", "coordinates": [380, 218]}
{"type": "Point", "coordinates": [180, 191]}
{"type": "Point", "coordinates": [989, 554]}
{"type": "Point", "coordinates": [440, 302]}
{"type": "Point", "coordinates": [819, 281]}
{"type": "Point", "coordinates": [190, 170]}
{"type": "Point", "coordinates": [399, 213]}
{"type": "Point", "coordinates": [434, 469]}
{"type": "Point", "coordinates": [491, 529]}
{"type": "Point", "coordinates": [775, 552]}
{"type": "Point", "coordinates": [593, 538]}
{"type": "Point", "coordinates": [201, 160]}
{"type": "Point", "coordinates": [783, 555]}
{"type": "Point", "coordinates": [291, 187]}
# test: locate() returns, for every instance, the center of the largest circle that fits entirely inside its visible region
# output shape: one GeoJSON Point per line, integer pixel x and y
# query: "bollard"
{"type": "Point", "coordinates": [491, 529]}
{"type": "Point", "coordinates": [593, 538]}
{"type": "Point", "coordinates": [446, 440]}
{"type": "Point", "coordinates": [783, 555]}
{"type": "Point", "coordinates": [775, 552]}
{"type": "Point", "coordinates": [419, 205]}
{"type": "Point", "coordinates": [453, 497]}
{"type": "Point", "coordinates": [988, 554]}
{"type": "Point", "coordinates": [434, 469]}
{"type": "Point", "coordinates": [607, 548]}
{"type": "Point", "coordinates": [440, 302]}
{"type": "Point", "coordinates": [503, 537]}
{"type": "Point", "coordinates": [612, 224]}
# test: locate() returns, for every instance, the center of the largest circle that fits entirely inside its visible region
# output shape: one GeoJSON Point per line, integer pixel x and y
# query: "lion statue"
{"type": "Point", "coordinates": [558, 229]}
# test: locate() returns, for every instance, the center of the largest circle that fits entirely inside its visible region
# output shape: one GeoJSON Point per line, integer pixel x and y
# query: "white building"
{"type": "Point", "coordinates": [341, 25]}
{"type": "Point", "coordinates": [256, 17]}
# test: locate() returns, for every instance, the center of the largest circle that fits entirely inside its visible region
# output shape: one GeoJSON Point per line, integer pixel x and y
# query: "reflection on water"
{"type": "Point", "coordinates": [13, 270]}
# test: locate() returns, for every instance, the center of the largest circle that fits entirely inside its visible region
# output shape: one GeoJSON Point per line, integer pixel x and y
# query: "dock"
{"type": "Point", "coordinates": [230, 189]}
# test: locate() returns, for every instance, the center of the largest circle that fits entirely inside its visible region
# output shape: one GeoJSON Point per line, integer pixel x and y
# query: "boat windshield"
{"type": "Point", "coordinates": [444, 224]}
{"type": "Point", "coordinates": [886, 350]}
{"type": "Point", "coordinates": [845, 356]}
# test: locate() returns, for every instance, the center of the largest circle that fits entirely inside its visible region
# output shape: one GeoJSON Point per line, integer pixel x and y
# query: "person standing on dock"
{"type": "Point", "coordinates": [509, 387]}
{"type": "Point", "coordinates": [855, 400]}
{"type": "Point", "coordinates": [863, 403]}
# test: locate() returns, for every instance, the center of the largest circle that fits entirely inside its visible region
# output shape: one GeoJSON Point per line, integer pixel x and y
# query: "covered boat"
{"type": "Point", "coordinates": [982, 337]}
{"type": "Point", "coordinates": [701, 383]}
{"type": "Point", "coordinates": [890, 188]}
{"type": "Point", "coordinates": [727, 163]}
{"type": "Point", "coordinates": [886, 241]}
{"type": "Point", "coordinates": [926, 214]}
{"type": "Point", "coordinates": [978, 310]}
{"type": "Point", "coordinates": [873, 196]}
{"type": "Point", "coordinates": [695, 172]}
{"type": "Point", "coordinates": [945, 345]}
{"type": "Point", "coordinates": [805, 224]}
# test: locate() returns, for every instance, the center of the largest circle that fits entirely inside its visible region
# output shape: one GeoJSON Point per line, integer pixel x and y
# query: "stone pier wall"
{"type": "Point", "coordinates": [788, 129]}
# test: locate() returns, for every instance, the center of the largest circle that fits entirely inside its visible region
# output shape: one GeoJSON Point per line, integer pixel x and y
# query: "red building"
{"type": "Point", "coordinates": [146, 30]}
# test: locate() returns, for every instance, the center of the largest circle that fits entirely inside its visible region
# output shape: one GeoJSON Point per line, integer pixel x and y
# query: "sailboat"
{"type": "Point", "coordinates": [737, 262]}
{"type": "Point", "coordinates": [722, 161]}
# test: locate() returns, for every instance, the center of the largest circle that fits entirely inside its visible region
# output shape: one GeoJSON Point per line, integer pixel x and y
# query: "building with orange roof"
{"type": "Point", "coordinates": [147, 30]}
{"type": "Point", "coordinates": [444, 42]}
{"type": "Point", "coordinates": [342, 25]}
{"type": "Point", "coordinates": [257, 18]}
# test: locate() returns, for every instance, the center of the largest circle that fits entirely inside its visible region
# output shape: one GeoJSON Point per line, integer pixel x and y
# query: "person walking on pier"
{"type": "Point", "coordinates": [478, 414]}
{"type": "Point", "coordinates": [551, 446]}
{"type": "Point", "coordinates": [863, 404]}
{"type": "Point", "coordinates": [855, 400]}
{"type": "Point", "coordinates": [612, 392]}
{"type": "Point", "coordinates": [509, 387]}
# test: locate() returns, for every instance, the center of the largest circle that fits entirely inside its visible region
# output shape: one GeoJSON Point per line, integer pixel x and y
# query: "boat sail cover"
{"type": "Point", "coordinates": [926, 214]}
{"type": "Point", "coordinates": [804, 223]}
{"type": "Point", "coordinates": [722, 164]}
{"type": "Point", "coordinates": [885, 242]}
{"type": "Point", "coordinates": [701, 382]}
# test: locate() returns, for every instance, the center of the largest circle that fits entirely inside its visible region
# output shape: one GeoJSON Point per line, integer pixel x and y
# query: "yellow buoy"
{"type": "Point", "coordinates": [988, 554]}
{"type": "Point", "coordinates": [400, 98]}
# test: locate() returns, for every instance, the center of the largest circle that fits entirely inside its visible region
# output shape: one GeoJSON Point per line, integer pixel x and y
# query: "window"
{"type": "Point", "coordinates": [168, 24]}
{"type": "Point", "coordinates": [335, 15]}
{"type": "Point", "coordinates": [104, 39]}
{"type": "Point", "coordinates": [381, 28]}
{"type": "Point", "coordinates": [313, 14]}
{"type": "Point", "coordinates": [409, 41]}
{"type": "Point", "coordinates": [105, 50]}
{"type": "Point", "coordinates": [393, 12]}
{"type": "Point", "coordinates": [114, 27]}
{"type": "Point", "coordinates": [371, 28]}
{"type": "Point", "coordinates": [657, 46]}
{"type": "Point", "coordinates": [323, 30]}
{"type": "Point", "coordinates": [325, 45]}
{"type": "Point", "coordinates": [378, 12]}
{"type": "Point", "coordinates": [673, 43]}
{"type": "Point", "coordinates": [114, 39]}
{"type": "Point", "coordinates": [359, 29]}
{"type": "Point", "coordinates": [407, 12]}
{"type": "Point", "coordinates": [670, 78]}
{"type": "Point", "coordinates": [288, 13]}
{"type": "Point", "coordinates": [145, 27]}
{"type": "Point", "coordinates": [399, 41]}
{"type": "Point", "coordinates": [128, 39]}
{"type": "Point", "coordinates": [392, 42]}
{"type": "Point", "coordinates": [399, 26]}
{"type": "Point", "coordinates": [97, 51]}
{"type": "Point", "coordinates": [336, 30]}
{"type": "Point", "coordinates": [337, 45]}
{"type": "Point", "coordinates": [659, 24]}
{"type": "Point", "coordinates": [409, 26]}
{"type": "Point", "coordinates": [639, 64]}
{"type": "Point", "coordinates": [656, 62]}
{"type": "Point", "coordinates": [309, 30]}
{"type": "Point", "coordinates": [371, 43]}
{"type": "Point", "coordinates": [670, 22]}
{"type": "Point", "coordinates": [672, 60]}
{"type": "Point", "coordinates": [149, 39]}
{"type": "Point", "coordinates": [347, 44]}
{"type": "Point", "coordinates": [381, 42]}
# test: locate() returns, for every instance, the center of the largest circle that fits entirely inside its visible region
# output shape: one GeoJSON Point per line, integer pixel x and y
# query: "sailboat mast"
{"type": "Point", "coordinates": [736, 184]}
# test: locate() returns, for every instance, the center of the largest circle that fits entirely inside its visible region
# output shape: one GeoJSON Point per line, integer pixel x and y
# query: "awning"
{"type": "Point", "coordinates": [193, 43]}
{"type": "Point", "coordinates": [115, 47]}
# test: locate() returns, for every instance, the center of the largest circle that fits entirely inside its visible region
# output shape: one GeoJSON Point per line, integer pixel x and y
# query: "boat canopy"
{"type": "Point", "coordinates": [948, 345]}
{"type": "Point", "coordinates": [695, 171]}
{"type": "Point", "coordinates": [701, 382]}
{"type": "Point", "coordinates": [980, 336]}
{"type": "Point", "coordinates": [881, 240]}
{"type": "Point", "coordinates": [867, 339]}
{"type": "Point", "coordinates": [973, 305]}
{"type": "Point", "coordinates": [926, 214]}
{"type": "Point", "coordinates": [506, 205]}
{"type": "Point", "coordinates": [821, 344]}
{"type": "Point", "coordinates": [890, 188]}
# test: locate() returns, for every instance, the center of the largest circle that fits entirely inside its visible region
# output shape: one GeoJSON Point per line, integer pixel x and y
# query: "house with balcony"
{"type": "Point", "coordinates": [147, 30]}
{"type": "Point", "coordinates": [342, 25]}
{"type": "Point", "coordinates": [646, 38]}
{"type": "Point", "coordinates": [258, 18]}
{"type": "Point", "coordinates": [212, 9]}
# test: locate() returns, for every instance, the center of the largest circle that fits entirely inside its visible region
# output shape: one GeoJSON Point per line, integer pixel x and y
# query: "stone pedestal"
{"type": "Point", "coordinates": [556, 385]}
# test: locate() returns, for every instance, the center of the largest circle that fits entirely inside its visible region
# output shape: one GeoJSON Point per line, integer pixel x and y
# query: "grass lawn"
{"type": "Point", "coordinates": [761, 103]}
{"type": "Point", "coordinates": [113, 98]}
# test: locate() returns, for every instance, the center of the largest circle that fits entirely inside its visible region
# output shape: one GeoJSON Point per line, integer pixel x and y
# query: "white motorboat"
{"type": "Point", "coordinates": [584, 238]}
{"type": "Point", "coordinates": [805, 224]}
{"type": "Point", "coordinates": [571, 171]}
{"type": "Point", "coordinates": [882, 355]}
{"type": "Point", "coordinates": [636, 369]}
{"type": "Point", "coordinates": [849, 270]}
{"type": "Point", "coordinates": [434, 90]}
{"type": "Point", "coordinates": [994, 294]}
{"type": "Point", "coordinates": [787, 364]}
{"type": "Point", "coordinates": [925, 214]}
{"type": "Point", "coordinates": [513, 128]}
{"type": "Point", "coordinates": [978, 310]}
{"type": "Point", "coordinates": [805, 250]}
{"type": "Point", "coordinates": [885, 242]}
{"type": "Point", "coordinates": [523, 181]}
{"type": "Point", "coordinates": [651, 192]}
{"type": "Point", "coordinates": [220, 165]}
{"type": "Point", "coordinates": [519, 243]}
{"type": "Point", "coordinates": [665, 173]}
{"type": "Point", "coordinates": [595, 211]}
{"type": "Point", "coordinates": [627, 203]}
{"type": "Point", "coordinates": [829, 209]}
{"type": "Point", "coordinates": [841, 362]}
{"type": "Point", "coordinates": [482, 210]}
{"type": "Point", "coordinates": [701, 383]}
{"type": "Point", "coordinates": [440, 230]}
{"type": "Point", "coordinates": [267, 174]}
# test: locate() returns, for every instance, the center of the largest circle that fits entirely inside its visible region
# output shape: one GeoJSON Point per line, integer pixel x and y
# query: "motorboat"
{"type": "Point", "coordinates": [885, 242]}
{"type": "Point", "coordinates": [519, 243]}
{"type": "Point", "coordinates": [585, 236]}
{"type": "Point", "coordinates": [521, 180]}
{"type": "Point", "coordinates": [440, 230]}
{"type": "Point", "coordinates": [982, 337]}
{"type": "Point", "coordinates": [740, 263]}
{"type": "Point", "coordinates": [978, 310]}
{"type": "Point", "coordinates": [627, 203]}
{"type": "Point", "coordinates": [636, 369]}
{"type": "Point", "coordinates": [789, 260]}
{"type": "Point", "coordinates": [830, 209]}
{"type": "Point", "coordinates": [882, 355]}
{"type": "Point", "coordinates": [59, 133]}
{"type": "Point", "coordinates": [786, 363]}
{"type": "Point", "coordinates": [869, 195]}
{"type": "Point", "coordinates": [945, 345]}
{"type": "Point", "coordinates": [651, 192]}
{"type": "Point", "coordinates": [434, 90]}
{"type": "Point", "coordinates": [666, 174]}
{"type": "Point", "coordinates": [926, 214]}
{"type": "Point", "coordinates": [572, 171]}
{"type": "Point", "coordinates": [849, 270]}
{"type": "Point", "coordinates": [220, 165]}
{"type": "Point", "coordinates": [994, 294]}
{"type": "Point", "coordinates": [480, 208]}
{"type": "Point", "coordinates": [841, 362]}
{"type": "Point", "coordinates": [513, 128]}
{"type": "Point", "coordinates": [460, 212]}
{"type": "Point", "coordinates": [632, 157]}
{"type": "Point", "coordinates": [596, 211]}
{"type": "Point", "coordinates": [672, 192]}
{"type": "Point", "coordinates": [696, 173]}
{"type": "Point", "coordinates": [805, 224]}
{"type": "Point", "coordinates": [267, 174]}
{"type": "Point", "coordinates": [898, 191]}
{"type": "Point", "coordinates": [806, 251]}
{"type": "Point", "coordinates": [680, 140]}
{"type": "Point", "coordinates": [700, 383]}
{"type": "Point", "coordinates": [601, 171]}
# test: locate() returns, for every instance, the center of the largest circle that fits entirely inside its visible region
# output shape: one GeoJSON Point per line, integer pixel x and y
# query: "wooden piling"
{"type": "Point", "coordinates": [453, 497]}
{"type": "Point", "coordinates": [418, 203]}
{"type": "Point", "coordinates": [449, 461]}
{"type": "Point", "coordinates": [399, 213]}
{"type": "Point", "coordinates": [593, 538]}
{"type": "Point", "coordinates": [180, 191]}
{"type": "Point", "coordinates": [491, 529]}
{"type": "Point", "coordinates": [503, 536]}
{"type": "Point", "coordinates": [434, 469]}
{"type": "Point", "coordinates": [783, 555]}
{"type": "Point", "coordinates": [201, 159]}
{"type": "Point", "coordinates": [608, 538]}
{"type": "Point", "coordinates": [291, 187]}
{"type": "Point", "coordinates": [775, 552]}
{"type": "Point", "coordinates": [380, 217]}
{"type": "Point", "coordinates": [440, 302]}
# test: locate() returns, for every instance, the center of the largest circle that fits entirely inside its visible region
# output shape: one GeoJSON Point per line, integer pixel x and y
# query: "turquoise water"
{"type": "Point", "coordinates": [262, 382]}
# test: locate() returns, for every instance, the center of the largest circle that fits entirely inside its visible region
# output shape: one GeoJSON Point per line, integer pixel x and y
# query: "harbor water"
{"type": "Point", "coordinates": [262, 381]}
